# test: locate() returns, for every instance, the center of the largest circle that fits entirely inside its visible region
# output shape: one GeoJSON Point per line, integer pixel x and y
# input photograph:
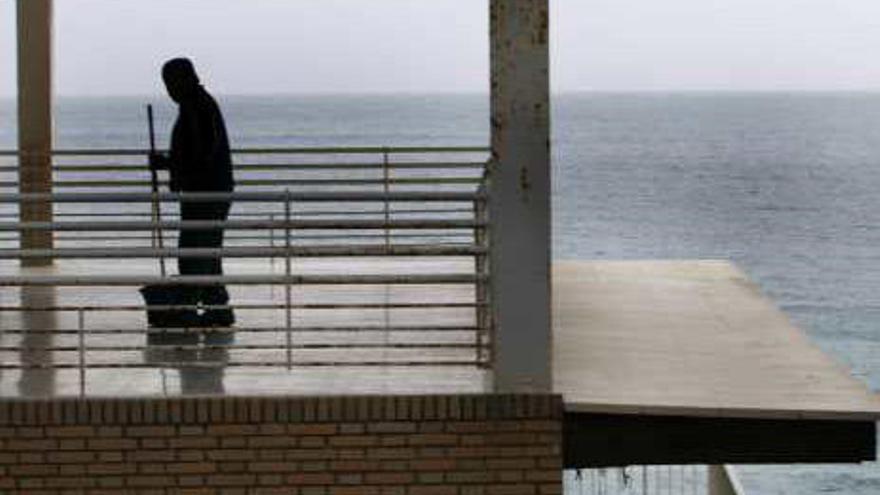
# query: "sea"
{"type": "Point", "coordinates": [786, 185]}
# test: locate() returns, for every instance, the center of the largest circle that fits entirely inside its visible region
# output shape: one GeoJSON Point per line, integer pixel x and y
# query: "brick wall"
{"type": "Point", "coordinates": [427, 445]}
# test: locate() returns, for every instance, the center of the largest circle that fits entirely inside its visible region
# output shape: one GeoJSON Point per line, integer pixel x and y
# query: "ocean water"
{"type": "Point", "coordinates": [785, 185]}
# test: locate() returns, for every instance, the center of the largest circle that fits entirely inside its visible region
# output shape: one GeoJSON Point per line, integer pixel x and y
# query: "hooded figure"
{"type": "Point", "coordinates": [199, 161]}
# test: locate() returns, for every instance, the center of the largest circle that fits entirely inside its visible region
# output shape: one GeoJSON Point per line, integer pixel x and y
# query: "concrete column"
{"type": "Point", "coordinates": [35, 118]}
{"type": "Point", "coordinates": [519, 187]}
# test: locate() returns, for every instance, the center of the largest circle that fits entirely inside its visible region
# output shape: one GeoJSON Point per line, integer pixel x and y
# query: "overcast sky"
{"type": "Point", "coordinates": [284, 46]}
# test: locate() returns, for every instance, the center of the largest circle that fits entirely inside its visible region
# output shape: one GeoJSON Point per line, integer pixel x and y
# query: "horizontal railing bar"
{"type": "Point", "coordinates": [75, 331]}
{"type": "Point", "coordinates": [249, 347]}
{"type": "Point", "coordinates": [262, 214]}
{"type": "Point", "coordinates": [245, 364]}
{"type": "Point", "coordinates": [244, 252]}
{"type": "Point", "coordinates": [305, 224]}
{"type": "Point", "coordinates": [133, 280]}
{"type": "Point", "coordinates": [302, 306]}
{"type": "Point", "coordinates": [248, 196]}
{"type": "Point", "coordinates": [272, 182]}
{"type": "Point", "coordinates": [271, 151]}
{"type": "Point", "coordinates": [142, 168]}
{"type": "Point", "coordinates": [459, 237]}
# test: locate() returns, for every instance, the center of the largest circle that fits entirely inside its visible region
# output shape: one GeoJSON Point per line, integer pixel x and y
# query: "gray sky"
{"type": "Point", "coordinates": [278, 46]}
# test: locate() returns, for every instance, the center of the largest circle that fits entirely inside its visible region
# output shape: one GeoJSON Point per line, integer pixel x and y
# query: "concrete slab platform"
{"type": "Point", "coordinates": [689, 338]}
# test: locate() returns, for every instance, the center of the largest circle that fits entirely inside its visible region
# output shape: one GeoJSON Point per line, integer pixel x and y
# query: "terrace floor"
{"type": "Point", "coordinates": [318, 366]}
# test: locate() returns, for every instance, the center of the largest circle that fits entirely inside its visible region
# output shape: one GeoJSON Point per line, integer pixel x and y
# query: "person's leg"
{"type": "Point", "coordinates": [216, 295]}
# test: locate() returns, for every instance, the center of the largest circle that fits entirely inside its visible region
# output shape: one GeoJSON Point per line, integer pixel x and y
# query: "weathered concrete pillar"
{"type": "Point", "coordinates": [35, 118]}
{"type": "Point", "coordinates": [519, 185]}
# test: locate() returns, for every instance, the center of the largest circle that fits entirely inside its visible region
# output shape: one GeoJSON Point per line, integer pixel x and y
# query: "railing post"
{"type": "Point", "coordinates": [35, 120]}
{"type": "Point", "coordinates": [288, 272]}
{"type": "Point", "coordinates": [81, 327]}
{"type": "Point", "coordinates": [519, 187]}
{"type": "Point", "coordinates": [387, 188]}
{"type": "Point", "coordinates": [483, 313]}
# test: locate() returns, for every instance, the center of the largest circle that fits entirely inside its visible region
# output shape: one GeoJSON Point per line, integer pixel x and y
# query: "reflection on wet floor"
{"type": "Point", "coordinates": [333, 351]}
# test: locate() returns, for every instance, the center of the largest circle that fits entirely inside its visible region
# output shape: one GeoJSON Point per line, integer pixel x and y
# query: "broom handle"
{"type": "Point", "coordinates": [157, 207]}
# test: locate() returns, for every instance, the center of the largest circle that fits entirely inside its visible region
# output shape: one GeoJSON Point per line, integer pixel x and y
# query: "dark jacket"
{"type": "Point", "coordinates": [200, 160]}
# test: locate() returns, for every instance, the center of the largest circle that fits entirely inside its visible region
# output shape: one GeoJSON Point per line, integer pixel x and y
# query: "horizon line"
{"type": "Point", "coordinates": [469, 93]}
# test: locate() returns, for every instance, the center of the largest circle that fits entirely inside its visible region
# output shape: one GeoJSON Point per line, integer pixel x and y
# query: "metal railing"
{"type": "Point", "coordinates": [335, 257]}
{"type": "Point", "coordinates": [655, 480]}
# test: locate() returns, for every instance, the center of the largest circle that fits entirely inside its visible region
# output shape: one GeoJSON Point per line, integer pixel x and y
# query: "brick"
{"type": "Point", "coordinates": [392, 427]}
{"type": "Point", "coordinates": [510, 463]}
{"type": "Point", "coordinates": [510, 476]}
{"type": "Point", "coordinates": [231, 479]}
{"type": "Point", "coordinates": [353, 441]}
{"type": "Point", "coordinates": [271, 442]}
{"type": "Point", "coordinates": [191, 480]}
{"type": "Point", "coordinates": [543, 426]}
{"type": "Point", "coordinates": [441, 439]}
{"type": "Point", "coordinates": [110, 457]}
{"type": "Point", "coordinates": [544, 475]}
{"type": "Point", "coordinates": [71, 470]}
{"type": "Point", "coordinates": [154, 443]}
{"type": "Point", "coordinates": [394, 440]}
{"type": "Point", "coordinates": [151, 468]}
{"type": "Point", "coordinates": [516, 489]}
{"type": "Point", "coordinates": [33, 470]}
{"type": "Point", "coordinates": [270, 455]}
{"type": "Point", "coordinates": [390, 453]}
{"type": "Point", "coordinates": [468, 427]}
{"type": "Point", "coordinates": [347, 490]}
{"type": "Point", "coordinates": [469, 477]}
{"type": "Point", "coordinates": [354, 465]}
{"type": "Point", "coordinates": [231, 455]}
{"type": "Point", "coordinates": [313, 466]}
{"type": "Point", "coordinates": [139, 481]}
{"type": "Point", "coordinates": [433, 490]}
{"type": "Point", "coordinates": [272, 429]}
{"type": "Point", "coordinates": [233, 442]}
{"type": "Point", "coordinates": [512, 439]}
{"type": "Point", "coordinates": [189, 430]}
{"type": "Point", "coordinates": [71, 457]}
{"type": "Point", "coordinates": [311, 442]}
{"type": "Point", "coordinates": [190, 455]}
{"type": "Point", "coordinates": [72, 444]}
{"type": "Point", "coordinates": [551, 489]}
{"type": "Point", "coordinates": [192, 442]}
{"type": "Point", "coordinates": [390, 478]}
{"type": "Point", "coordinates": [192, 468]}
{"type": "Point", "coordinates": [116, 468]}
{"type": "Point", "coordinates": [232, 430]}
{"type": "Point", "coordinates": [150, 431]}
{"type": "Point", "coordinates": [31, 458]}
{"type": "Point", "coordinates": [440, 464]}
{"type": "Point", "coordinates": [69, 431]}
{"type": "Point", "coordinates": [312, 429]}
{"type": "Point", "coordinates": [269, 467]}
{"type": "Point", "coordinates": [352, 428]}
{"type": "Point", "coordinates": [310, 479]}
{"type": "Point", "coordinates": [112, 444]}
{"type": "Point", "coordinates": [231, 467]}
{"type": "Point", "coordinates": [349, 479]}
{"type": "Point", "coordinates": [30, 444]}
{"type": "Point", "coordinates": [150, 456]}
{"type": "Point", "coordinates": [309, 454]}
{"type": "Point", "coordinates": [428, 478]}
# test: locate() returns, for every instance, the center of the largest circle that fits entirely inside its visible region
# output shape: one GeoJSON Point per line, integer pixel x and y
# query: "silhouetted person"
{"type": "Point", "coordinates": [199, 162]}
